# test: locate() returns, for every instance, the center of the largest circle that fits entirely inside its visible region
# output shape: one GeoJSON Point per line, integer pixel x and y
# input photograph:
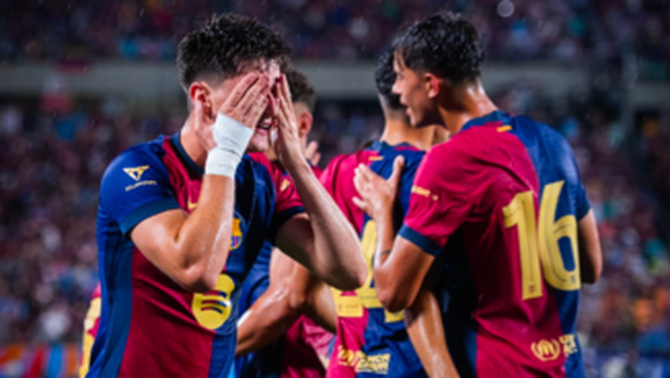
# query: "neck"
{"type": "Point", "coordinates": [464, 103]}
{"type": "Point", "coordinates": [398, 131]}
{"type": "Point", "coordinates": [191, 143]}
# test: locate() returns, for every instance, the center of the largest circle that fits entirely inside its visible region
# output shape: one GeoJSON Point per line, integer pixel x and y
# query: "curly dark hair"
{"type": "Point", "coordinates": [445, 44]}
{"type": "Point", "coordinates": [224, 45]}
{"type": "Point", "coordinates": [385, 78]}
{"type": "Point", "coordinates": [301, 89]}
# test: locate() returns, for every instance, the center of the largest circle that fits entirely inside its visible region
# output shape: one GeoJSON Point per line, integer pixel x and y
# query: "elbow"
{"type": "Point", "coordinates": [198, 280]}
{"type": "Point", "coordinates": [391, 303]}
{"type": "Point", "coordinates": [391, 300]}
{"type": "Point", "coordinates": [296, 302]}
{"type": "Point", "coordinates": [592, 275]}
{"type": "Point", "coordinates": [360, 276]}
{"type": "Point", "coordinates": [351, 280]}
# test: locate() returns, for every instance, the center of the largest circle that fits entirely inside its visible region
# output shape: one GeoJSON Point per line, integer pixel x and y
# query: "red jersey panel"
{"type": "Point", "coordinates": [475, 199]}
{"type": "Point", "coordinates": [153, 326]}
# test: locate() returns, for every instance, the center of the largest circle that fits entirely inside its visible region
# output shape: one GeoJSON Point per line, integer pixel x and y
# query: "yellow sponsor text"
{"type": "Point", "coordinates": [550, 349]}
{"type": "Point", "coordinates": [362, 363]}
{"type": "Point", "coordinates": [141, 183]}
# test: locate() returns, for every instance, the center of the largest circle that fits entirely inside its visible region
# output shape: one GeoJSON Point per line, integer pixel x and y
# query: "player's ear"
{"type": "Point", "coordinates": [305, 121]}
{"type": "Point", "coordinates": [199, 91]}
{"type": "Point", "coordinates": [432, 84]}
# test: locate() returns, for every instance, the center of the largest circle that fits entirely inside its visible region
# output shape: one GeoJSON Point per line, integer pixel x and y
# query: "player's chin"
{"type": "Point", "coordinates": [260, 141]}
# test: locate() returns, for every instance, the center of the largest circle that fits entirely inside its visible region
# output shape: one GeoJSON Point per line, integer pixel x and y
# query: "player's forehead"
{"type": "Point", "coordinates": [267, 67]}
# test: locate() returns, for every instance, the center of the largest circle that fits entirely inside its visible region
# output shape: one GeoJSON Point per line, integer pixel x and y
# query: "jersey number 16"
{"type": "Point", "coordinates": [540, 244]}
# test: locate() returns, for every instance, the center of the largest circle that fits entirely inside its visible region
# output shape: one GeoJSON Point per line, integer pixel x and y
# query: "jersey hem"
{"type": "Point", "coordinates": [421, 241]}
{"type": "Point", "coordinates": [146, 211]}
{"type": "Point", "coordinates": [281, 218]}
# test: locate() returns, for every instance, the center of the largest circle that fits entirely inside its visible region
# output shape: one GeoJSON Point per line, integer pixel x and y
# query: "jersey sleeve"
{"type": "Point", "coordinates": [439, 201]}
{"type": "Point", "coordinates": [583, 205]}
{"type": "Point", "coordinates": [136, 186]}
{"type": "Point", "coordinates": [287, 201]}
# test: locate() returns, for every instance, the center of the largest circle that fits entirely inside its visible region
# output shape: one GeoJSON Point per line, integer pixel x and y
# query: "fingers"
{"type": "Point", "coordinates": [311, 149]}
{"type": "Point", "coordinates": [316, 158]}
{"type": "Point", "coordinates": [256, 111]}
{"type": "Point", "coordinates": [398, 164]}
{"type": "Point", "coordinates": [240, 89]}
{"type": "Point", "coordinates": [286, 90]}
{"type": "Point", "coordinates": [255, 97]}
{"type": "Point", "coordinates": [360, 204]}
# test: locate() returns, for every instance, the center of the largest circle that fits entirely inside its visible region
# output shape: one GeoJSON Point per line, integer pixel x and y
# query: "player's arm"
{"type": "Point", "coordinates": [400, 266]}
{"type": "Point", "coordinates": [192, 249]}
{"type": "Point", "coordinates": [424, 326]}
{"type": "Point", "coordinates": [322, 240]}
{"type": "Point", "coordinates": [590, 254]}
{"type": "Point", "coordinates": [293, 291]}
{"type": "Point", "coordinates": [438, 205]}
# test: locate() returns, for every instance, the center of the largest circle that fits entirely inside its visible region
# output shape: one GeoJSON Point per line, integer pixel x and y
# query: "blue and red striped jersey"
{"type": "Point", "coordinates": [501, 201]}
{"type": "Point", "coordinates": [298, 352]}
{"type": "Point", "coordinates": [370, 341]}
{"type": "Point", "coordinates": [153, 327]}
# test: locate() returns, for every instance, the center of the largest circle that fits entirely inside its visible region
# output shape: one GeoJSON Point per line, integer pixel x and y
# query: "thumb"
{"type": "Point", "coordinates": [398, 164]}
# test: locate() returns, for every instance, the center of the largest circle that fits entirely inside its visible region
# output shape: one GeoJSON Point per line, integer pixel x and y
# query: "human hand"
{"type": "Point", "coordinates": [376, 194]}
{"type": "Point", "coordinates": [245, 104]}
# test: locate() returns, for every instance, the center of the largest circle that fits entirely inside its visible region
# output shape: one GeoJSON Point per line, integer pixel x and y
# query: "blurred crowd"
{"type": "Point", "coordinates": [52, 158]}
{"type": "Point", "coordinates": [571, 31]}
{"type": "Point", "coordinates": [51, 162]}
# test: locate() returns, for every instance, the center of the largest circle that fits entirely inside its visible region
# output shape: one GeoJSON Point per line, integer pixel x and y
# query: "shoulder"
{"type": "Point", "coordinates": [136, 161]}
{"type": "Point", "coordinates": [342, 163]}
{"type": "Point", "coordinates": [413, 156]}
{"type": "Point", "coordinates": [550, 136]}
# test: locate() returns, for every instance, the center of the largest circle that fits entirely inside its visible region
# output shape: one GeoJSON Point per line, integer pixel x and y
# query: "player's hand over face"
{"type": "Point", "coordinates": [376, 194]}
{"type": "Point", "coordinates": [245, 104]}
{"type": "Point", "coordinates": [288, 142]}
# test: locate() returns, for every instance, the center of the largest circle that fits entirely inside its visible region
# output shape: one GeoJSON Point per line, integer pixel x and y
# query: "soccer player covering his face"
{"type": "Point", "coordinates": [502, 201]}
{"type": "Point", "coordinates": [182, 218]}
{"type": "Point", "coordinates": [303, 345]}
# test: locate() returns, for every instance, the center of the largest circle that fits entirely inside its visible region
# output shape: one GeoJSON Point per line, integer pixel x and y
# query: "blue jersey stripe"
{"type": "Point", "coordinates": [145, 211]}
{"type": "Point", "coordinates": [119, 266]}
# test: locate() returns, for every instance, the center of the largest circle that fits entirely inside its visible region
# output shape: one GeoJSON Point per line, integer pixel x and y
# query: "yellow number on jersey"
{"type": "Point", "coordinates": [212, 310]}
{"type": "Point", "coordinates": [366, 296]}
{"type": "Point", "coordinates": [92, 316]}
{"type": "Point", "coordinates": [542, 247]}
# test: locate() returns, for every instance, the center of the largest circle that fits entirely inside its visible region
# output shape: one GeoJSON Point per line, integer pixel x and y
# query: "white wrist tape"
{"type": "Point", "coordinates": [232, 138]}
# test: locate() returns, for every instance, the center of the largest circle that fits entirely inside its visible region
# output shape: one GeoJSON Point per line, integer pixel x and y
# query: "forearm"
{"type": "Point", "coordinates": [337, 255]}
{"type": "Point", "coordinates": [202, 242]}
{"type": "Point", "coordinates": [321, 308]}
{"type": "Point", "coordinates": [424, 326]}
{"type": "Point", "coordinates": [264, 322]}
{"type": "Point", "coordinates": [382, 269]}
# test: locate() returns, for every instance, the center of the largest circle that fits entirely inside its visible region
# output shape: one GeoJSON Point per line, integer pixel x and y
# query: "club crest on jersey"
{"type": "Point", "coordinates": [136, 172]}
{"type": "Point", "coordinates": [236, 235]}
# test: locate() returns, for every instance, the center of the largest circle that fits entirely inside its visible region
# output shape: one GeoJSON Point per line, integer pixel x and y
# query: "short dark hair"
{"type": "Point", "coordinates": [301, 89]}
{"type": "Point", "coordinates": [445, 44]}
{"type": "Point", "coordinates": [224, 45]}
{"type": "Point", "coordinates": [385, 79]}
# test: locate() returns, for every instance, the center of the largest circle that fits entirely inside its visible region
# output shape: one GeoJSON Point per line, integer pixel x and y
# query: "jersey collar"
{"type": "Point", "coordinates": [183, 156]}
{"type": "Point", "coordinates": [494, 116]}
{"type": "Point", "coordinates": [379, 145]}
